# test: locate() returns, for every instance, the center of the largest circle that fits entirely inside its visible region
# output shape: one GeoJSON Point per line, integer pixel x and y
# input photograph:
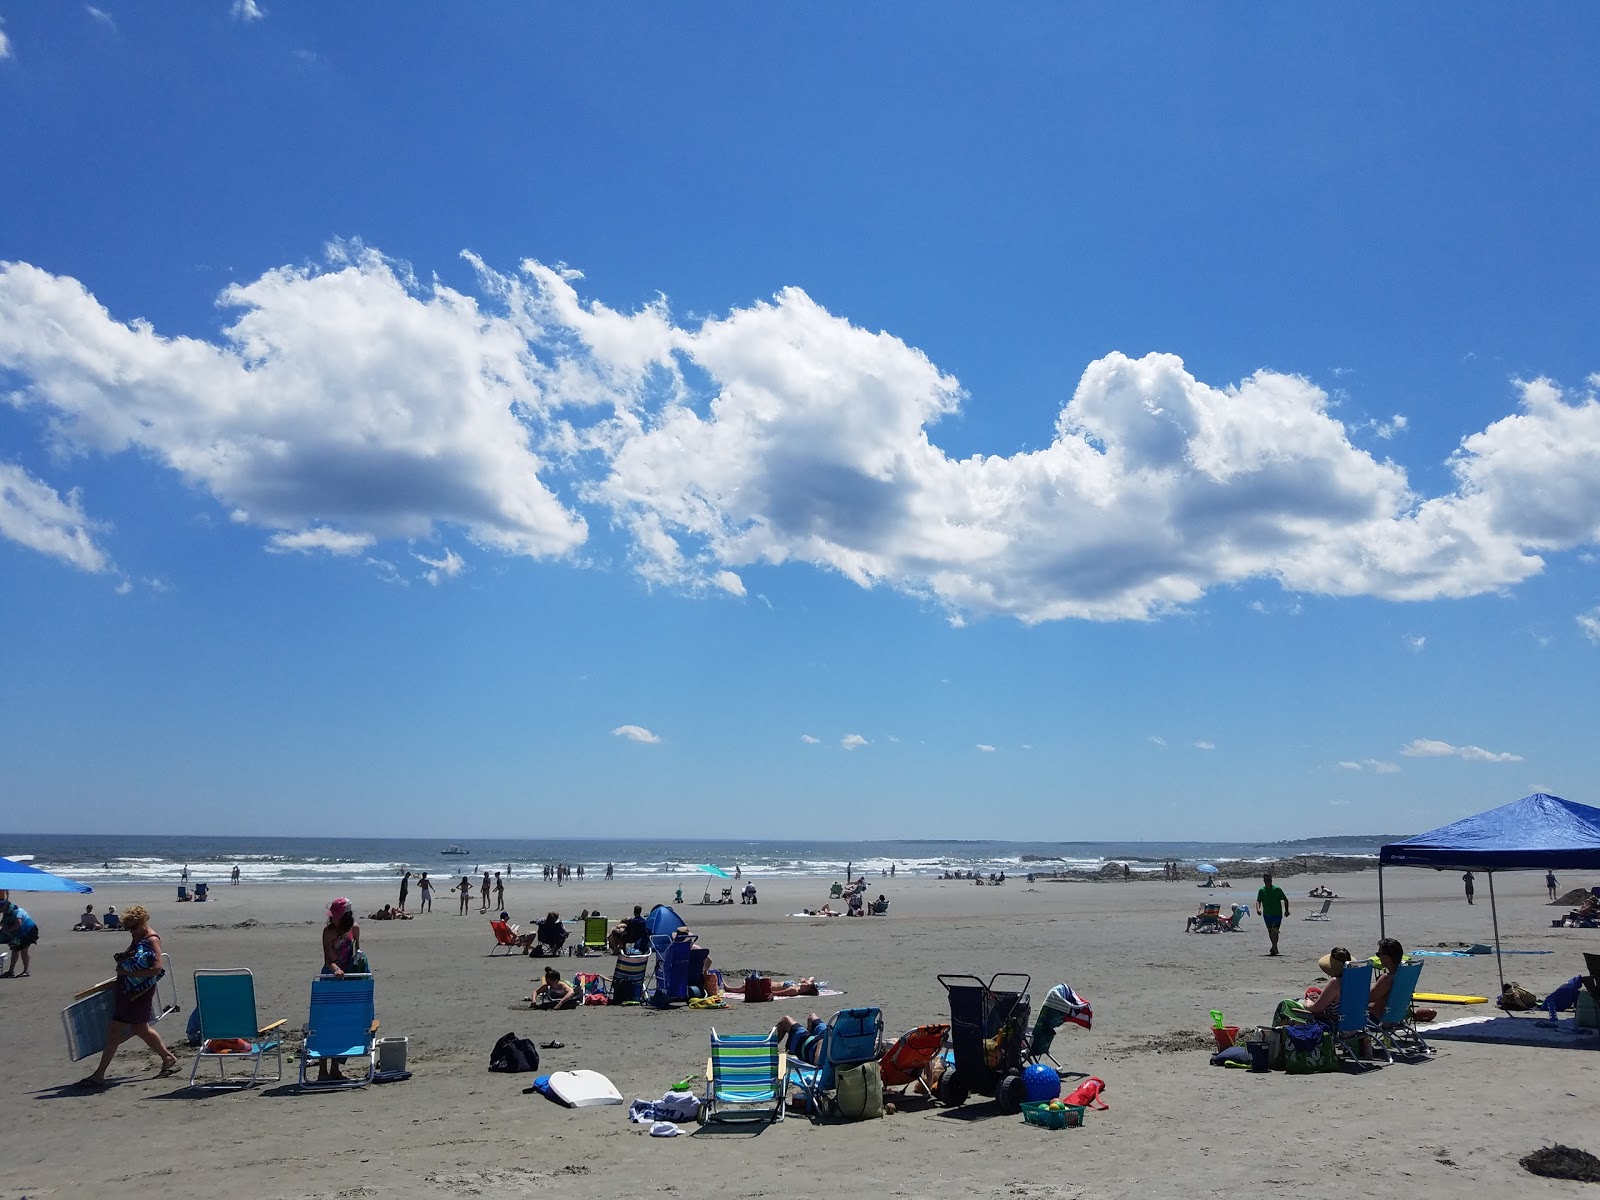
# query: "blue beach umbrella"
{"type": "Point", "coordinates": [19, 877]}
{"type": "Point", "coordinates": [1206, 868]}
{"type": "Point", "coordinates": [713, 870]}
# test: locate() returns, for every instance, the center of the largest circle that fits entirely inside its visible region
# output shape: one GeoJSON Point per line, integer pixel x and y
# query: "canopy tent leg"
{"type": "Point", "coordinates": [1380, 901]}
{"type": "Point", "coordinates": [1495, 915]}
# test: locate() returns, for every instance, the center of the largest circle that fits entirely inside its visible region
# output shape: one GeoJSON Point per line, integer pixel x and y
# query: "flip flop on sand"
{"type": "Point", "coordinates": [552, 1045]}
{"type": "Point", "coordinates": [170, 1068]}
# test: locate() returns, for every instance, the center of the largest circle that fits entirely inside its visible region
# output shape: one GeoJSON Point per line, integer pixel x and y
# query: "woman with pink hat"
{"type": "Point", "coordinates": [341, 939]}
{"type": "Point", "coordinates": [341, 944]}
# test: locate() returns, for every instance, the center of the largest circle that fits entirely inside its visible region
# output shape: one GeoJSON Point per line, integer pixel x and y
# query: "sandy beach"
{"type": "Point", "coordinates": [1176, 1126]}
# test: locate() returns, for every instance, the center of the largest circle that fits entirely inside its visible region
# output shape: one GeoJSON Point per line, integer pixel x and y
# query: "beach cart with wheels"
{"type": "Point", "coordinates": [988, 1035]}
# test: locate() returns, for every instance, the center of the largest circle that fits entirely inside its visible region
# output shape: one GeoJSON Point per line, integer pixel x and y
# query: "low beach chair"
{"type": "Point", "coordinates": [904, 1064]}
{"type": "Point", "coordinates": [596, 929]}
{"type": "Point", "coordinates": [1350, 1029]}
{"type": "Point", "coordinates": [227, 1004]}
{"type": "Point", "coordinates": [745, 1080]}
{"type": "Point", "coordinates": [505, 937]}
{"type": "Point", "coordinates": [343, 1024]}
{"type": "Point", "coordinates": [853, 1036]}
{"type": "Point", "coordinates": [627, 978]}
{"type": "Point", "coordinates": [1396, 1028]}
{"type": "Point", "coordinates": [1322, 913]}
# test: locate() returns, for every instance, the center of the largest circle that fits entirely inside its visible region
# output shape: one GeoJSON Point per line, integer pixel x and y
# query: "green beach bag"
{"type": "Point", "coordinates": [858, 1092]}
{"type": "Point", "coordinates": [1308, 1049]}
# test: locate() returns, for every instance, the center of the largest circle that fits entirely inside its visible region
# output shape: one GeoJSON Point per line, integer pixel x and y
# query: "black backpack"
{"type": "Point", "coordinates": [512, 1054]}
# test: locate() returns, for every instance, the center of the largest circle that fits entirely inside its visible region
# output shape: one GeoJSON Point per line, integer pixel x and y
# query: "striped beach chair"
{"type": "Point", "coordinates": [746, 1078]}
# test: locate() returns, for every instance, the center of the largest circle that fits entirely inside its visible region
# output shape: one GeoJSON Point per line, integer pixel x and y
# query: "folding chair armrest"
{"type": "Point", "coordinates": [266, 1029]}
{"type": "Point", "coordinates": [99, 987]}
{"type": "Point", "coordinates": [373, 1028]}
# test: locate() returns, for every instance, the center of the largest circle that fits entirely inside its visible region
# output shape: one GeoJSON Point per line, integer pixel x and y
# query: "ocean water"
{"type": "Point", "coordinates": [124, 859]}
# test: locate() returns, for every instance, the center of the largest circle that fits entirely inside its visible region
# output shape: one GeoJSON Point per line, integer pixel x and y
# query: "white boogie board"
{"type": "Point", "coordinates": [580, 1089]}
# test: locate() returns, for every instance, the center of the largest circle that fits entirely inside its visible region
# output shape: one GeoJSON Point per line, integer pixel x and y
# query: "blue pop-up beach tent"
{"type": "Point", "coordinates": [20, 877]}
{"type": "Point", "coordinates": [1536, 833]}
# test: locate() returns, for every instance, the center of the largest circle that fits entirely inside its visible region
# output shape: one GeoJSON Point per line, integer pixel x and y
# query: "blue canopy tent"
{"type": "Point", "coordinates": [20, 877]}
{"type": "Point", "coordinates": [1536, 833]}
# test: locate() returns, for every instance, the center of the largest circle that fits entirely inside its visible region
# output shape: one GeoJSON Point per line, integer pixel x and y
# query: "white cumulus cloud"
{"type": "Point", "coordinates": [35, 515]}
{"type": "Point", "coordinates": [1204, 746]}
{"type": "Point", "coordinates": [351, 396]}
{"type": "Point", "coordinates": [441, 569]}
{"type": "Point", "coordinates": [851, 740]}
{"type": "Point", "coordinates": [1428, 748]}
{"type": "Point", "coordinates": [1589, 623]}
{"type": "Point", "coordinates": [101, 16]}
{"type": "Point", "coordinates": [986, 748]}
{"type": "Point", "coordinates": [1156, 740]}
{"type": "Point", "coordinates": [636, 733]}
{"type": "Point", "coordinates": [1375, 765]}
{"type": "Point", "coordinates": [809, 740]}
{"type": "Point", "coordinates": [5, 42]}
{"type": "Point", "coordinates": [347, 396]}
{"type": "Point", "coordinates": [247, 10]}
{"type": "Point", "coordinates": [333, 541]}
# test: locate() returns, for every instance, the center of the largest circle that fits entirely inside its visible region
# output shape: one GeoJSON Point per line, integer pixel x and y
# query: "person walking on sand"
{"type": "Point", "coordinates": [499, 891]}
{"type": "Point", "coordinates": [1272, 906]}
{"type": "Point", "coordinates": [425, 887]}
{"type": "Point", "coordinates": [405, 887]}
{"type": "Point", "coordinates": [235, 874]}
{"type": "Point", "coordinates": [1466, 882]}
{"type": "Point", "coordinates": [1550, 883]}
{"type": "Point", "coordinates": [138, 968]}
{"type": "Point", "coordinates": [465, 888]}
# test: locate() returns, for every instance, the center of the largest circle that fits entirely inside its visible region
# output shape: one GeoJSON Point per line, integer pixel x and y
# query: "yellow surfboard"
{"type": "Point", "coordinates": [1441, 998]}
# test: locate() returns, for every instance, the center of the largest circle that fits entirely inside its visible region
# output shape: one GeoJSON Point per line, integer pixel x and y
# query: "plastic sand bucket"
{"type": "Point", "coordinates": [1226, 1035]}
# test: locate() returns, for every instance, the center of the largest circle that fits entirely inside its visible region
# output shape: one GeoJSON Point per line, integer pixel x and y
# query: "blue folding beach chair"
{"type": "Point", "coordinates": [744, 1080]}
{"type": "Point", "coordinates": [1396, 1028]}
{"type": "Point", "coordinates": [1355, 990]}
{"type": "Point", "coordinates": [229, 1029]}
{"type": "Point", "coordinates": [343, 1025]}
{"type": "Point", "coordinates": [851, 1037]}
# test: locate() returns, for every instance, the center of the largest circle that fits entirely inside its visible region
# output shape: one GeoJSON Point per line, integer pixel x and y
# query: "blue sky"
{"type": "Point", "coordinates": [1033, 421]}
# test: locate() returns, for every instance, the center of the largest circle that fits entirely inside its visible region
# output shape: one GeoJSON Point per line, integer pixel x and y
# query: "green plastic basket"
{"type": "Point", "coordinates": [1040, 1113]}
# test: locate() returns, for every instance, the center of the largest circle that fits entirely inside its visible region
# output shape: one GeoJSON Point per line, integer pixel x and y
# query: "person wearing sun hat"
{"type": "Point", "coordinates": [1317, 1005]}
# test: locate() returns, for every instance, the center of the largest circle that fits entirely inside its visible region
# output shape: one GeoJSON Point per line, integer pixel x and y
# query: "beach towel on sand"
{"type": "Point", "coordinates": [673, 1106]}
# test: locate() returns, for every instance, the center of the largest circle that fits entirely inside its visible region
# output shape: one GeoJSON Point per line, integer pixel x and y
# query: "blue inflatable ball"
{"type": "Point", "coordinates": [1039, 1083]}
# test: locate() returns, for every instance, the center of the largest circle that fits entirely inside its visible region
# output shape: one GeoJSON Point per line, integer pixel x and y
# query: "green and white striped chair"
{"type": "Point", "coordinates": [745, 1080]}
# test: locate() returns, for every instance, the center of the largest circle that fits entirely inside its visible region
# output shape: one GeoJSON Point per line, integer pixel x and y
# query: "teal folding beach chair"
{"type": "Point", "coordinates": [745, 1080]}
{"type": "Point", "coordinates": [230, 1030]}
{"type": "Point", "coordinates": [853, 1036]}
{"type": "Point", "coordinates": [1396, 1028]}
{"type": "Point", "coordinates": [1355, 990]}
{"type": "Point", "coordinates": [628, 978]}
{"type": "Point", "coordinates": [343, 1025]}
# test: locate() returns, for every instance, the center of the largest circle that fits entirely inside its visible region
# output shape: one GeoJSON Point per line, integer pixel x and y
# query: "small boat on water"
{"type": "Point", "coordinates": [452, 848]}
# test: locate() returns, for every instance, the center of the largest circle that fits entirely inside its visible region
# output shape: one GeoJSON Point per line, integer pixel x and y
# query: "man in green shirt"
{"type": "Point", "coordinates": [1272, 906]}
